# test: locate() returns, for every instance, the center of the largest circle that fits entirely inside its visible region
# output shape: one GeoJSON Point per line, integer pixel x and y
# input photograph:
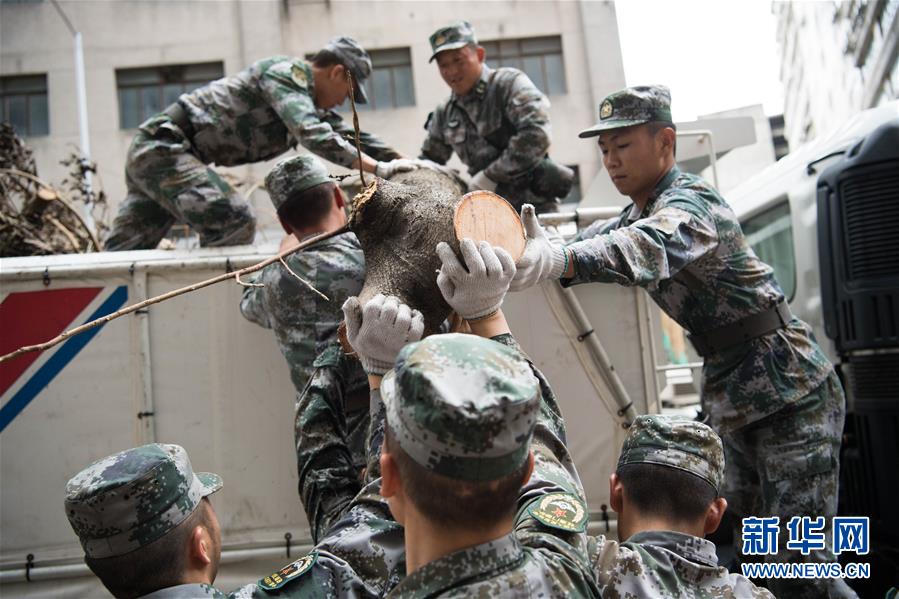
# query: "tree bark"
{"type": "Point", "coordinates": [399, 224]}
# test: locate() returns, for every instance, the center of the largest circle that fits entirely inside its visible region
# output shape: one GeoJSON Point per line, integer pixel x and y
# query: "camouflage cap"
{"type": "Point", "coordinates": [294, 175]}
{"type": "Point", "coordinates": [462, 406]}
{"type": "Point", "coordinates": [677, 442]}
{"type": "Point", "coordinates": [457, 35]}
{"type": "Point", "coordinates": [130, 499]}
{"type": "Point", "coordinates": [356, 59]}
{"type": "Point", "coordinates": [632, 106]}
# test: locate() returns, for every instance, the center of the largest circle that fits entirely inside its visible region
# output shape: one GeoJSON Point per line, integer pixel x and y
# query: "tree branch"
{"type": "Point", "coordinates": [169, 295]}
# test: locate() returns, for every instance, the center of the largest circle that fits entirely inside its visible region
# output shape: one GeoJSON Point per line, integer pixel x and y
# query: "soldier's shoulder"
{"type": "Point", "coordinates": [514, 80]}
{"type": "Point", "coordinates": [560, 511]}
{"type": "Point", "coordinates": [285, 68]}
{"type": "Point", "coordinates": [691, 193]}
{"type": "Point", "coordinates": [505, 75]}
{"type": "Point", "coordinates": [267, 63]}
{"type": "Point", "coordinates": [345, 240]}
{"type": "Point", "coordinates": [288, 581]}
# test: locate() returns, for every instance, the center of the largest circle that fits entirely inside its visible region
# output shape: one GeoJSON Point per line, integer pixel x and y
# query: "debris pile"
{"type": "Point", "coordinates": [37, 218]}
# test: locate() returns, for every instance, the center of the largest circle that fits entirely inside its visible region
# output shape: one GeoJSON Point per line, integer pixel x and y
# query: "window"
{"type": "Point", "coordinates": [770, 234]}
{"type": "Point", "coordinates": [390, 84]}
{"type": "Point", "coordinates": [23, 104]}
{"type": "Point", "coordinates": [146, 91]}
{"type": "Point", "coordinates": [539, 57]}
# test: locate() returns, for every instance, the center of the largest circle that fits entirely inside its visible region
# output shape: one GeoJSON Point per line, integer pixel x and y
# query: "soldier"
{"type": "Point", "coordinates": [253, 116]}
{"type": "Point", "coordinates": [546, 554]}
{"type": "Point", "coordinates": [665, 491]}
{"type": "Point", "coordinates": [146, 524]}
{"type": "Point", "coordinates": [496, 121]}
{"type": "Point", "coordinates": [769, 390]}
{"type": "Point", "coordinates": [330, 429]}
{"type": "Point", "coordinates": [305, 320]}
{"type": "Point", "coordinates": [457, 461]}
{"type": "Point", "coordinates": [305, 315]}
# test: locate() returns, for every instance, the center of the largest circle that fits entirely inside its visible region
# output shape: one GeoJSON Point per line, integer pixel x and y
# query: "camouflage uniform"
{"type": "Point", "coordinates": [303, 321]}
{"type": "Point", "coordinates": [253, 116]}
{"type": "Point", "coordinates": [129, 500]}
{"type": "Point", "coordinates": [666, 564]}
{"type": "Point", "coordinates": [501, 127]}
{"type": "Point", "coordinates": [362, 555]}
{"type": "Point", "coordinates": [331, 428]}
{"type": "Point", "coordinates": [187, 591]}
{"type": "Point", "coordinates": [481, 428]}
{"type": "Point", "coordinates": [687, 249]}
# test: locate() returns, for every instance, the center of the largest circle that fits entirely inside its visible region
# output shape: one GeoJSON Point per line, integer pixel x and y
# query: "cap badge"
{"type": "Point", "coordinates": [605, 111]}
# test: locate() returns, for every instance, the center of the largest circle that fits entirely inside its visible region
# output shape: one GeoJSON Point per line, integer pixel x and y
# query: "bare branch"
{"type": "Point", "coordinates": [304, 281]}
{"type": "Point", "coordinates": [242, 284]}
{"type": "Point", "coordinates": [65, 231]}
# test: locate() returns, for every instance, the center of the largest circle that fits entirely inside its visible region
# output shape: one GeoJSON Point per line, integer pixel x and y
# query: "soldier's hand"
{"type": "Point", "coordinates": [542, 258]}
{"type": "Point", "coordinates": [380, 329]}
{"type": "Point", "coordinates": [475, 290]}
{"type": "Point", "coordinates": [482, 181]}
{"type": "Point", "coordinates": [385, 170]}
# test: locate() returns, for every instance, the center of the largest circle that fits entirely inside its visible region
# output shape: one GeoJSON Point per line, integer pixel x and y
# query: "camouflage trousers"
{"type": "Point", "coordinates": [168, 184]}
{"type": "Point", "coordinates": [786, 465]}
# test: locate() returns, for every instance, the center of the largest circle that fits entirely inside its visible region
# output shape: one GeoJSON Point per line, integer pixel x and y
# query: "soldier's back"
{"type": "Point", "coordinates": [233, 118]}
{"type": "Point", "coordinates": [666, 565]}
{"type": "Point", "coordinates": [304, 322]}
{"type": "Point", "coordinates": [500, 568]}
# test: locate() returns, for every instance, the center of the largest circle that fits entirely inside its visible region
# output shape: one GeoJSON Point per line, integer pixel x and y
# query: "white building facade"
{"type": "Point", "coordinates": [837, 59]}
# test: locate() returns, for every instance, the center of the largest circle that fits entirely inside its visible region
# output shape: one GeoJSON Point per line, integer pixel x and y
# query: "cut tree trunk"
{"type": "Point", "coordinates": [400, 222]}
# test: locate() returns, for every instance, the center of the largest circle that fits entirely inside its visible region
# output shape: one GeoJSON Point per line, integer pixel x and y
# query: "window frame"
{"type": "Point", "coordinates": [142, 78]}
{"type": "Point", "coordinates": [496, 54]}
{"type": "Point", "coordinates": [779, 204]}
{"type": "Point", "coordinates": [392, 67]}
{"type": "Point", "coordinates": [39, 88]}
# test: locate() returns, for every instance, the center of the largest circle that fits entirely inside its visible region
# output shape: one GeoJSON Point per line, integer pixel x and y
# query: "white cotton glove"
{"type": "Point", "coordinates": [476, 289]}
{"type": "Point", "coordinates": [543, 258]}
{"type": "Point", "coordinates": [380, 329]}
{"type": "Point", "coordinates": [385, 170]}
{"type": "Point", "coordinates": [481, 181]}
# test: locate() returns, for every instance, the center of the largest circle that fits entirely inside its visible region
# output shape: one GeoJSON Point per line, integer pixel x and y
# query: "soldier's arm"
{"type": "Point", "coordinates": [527, 109]}
{"type": "Point", "coordinates": [328, 479]}
{"type": "Point", "coordinates": [362, 556]}
{"type": "Point", "coordinates": [434, 147]}
{"type": "Point", "coordinates": [652, 249]}
{"type": "Point", "coordinates": [252, 304]}
{"type": "Point", "coordinates": [554, 482]}
{"type": "Point", "coordinates": [600, 227]}
{"type": "Point", "coordinates": [371, 144]}
{"type": "Point", "coordinates": [286, 86]}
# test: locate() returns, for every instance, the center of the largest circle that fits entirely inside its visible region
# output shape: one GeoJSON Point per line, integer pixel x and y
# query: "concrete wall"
{"type": "Point", "coordinates": [34, 39]}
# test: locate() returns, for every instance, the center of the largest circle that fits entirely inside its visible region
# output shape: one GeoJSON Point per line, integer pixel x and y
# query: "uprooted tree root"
{"type": "Point", "coordinates": [399, 223]}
